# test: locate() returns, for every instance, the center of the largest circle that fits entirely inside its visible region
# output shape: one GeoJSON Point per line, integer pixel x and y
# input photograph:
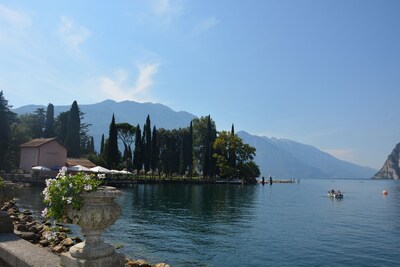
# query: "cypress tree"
{"type": "Point", "coordinates": [232, 149]}
{"type": "Point", "coordinates": [112, 152]}
{"type": "Point", "coordinates": [137, 160]}
{"type": "Point", "coordinates": [49, 126]}
{"type": "Point", "coordinates": [182, 165]}
{"type": "Point", "coordinates": [147, 144]}
{"type": "Point", "coordinates": [62, 126]}
{"type": "Point", "coordinates": [213, 161]}
{"type": "Point", "coordinates": [207, 149]}
{"type": "Point", "coordinates": [102, 144]}
{"type": "Point", "coordinates": [154, 150]}
{"type": "Point", "coordinates": [190, 149]}
{"type": "Point", "coordinates": [72, 139]}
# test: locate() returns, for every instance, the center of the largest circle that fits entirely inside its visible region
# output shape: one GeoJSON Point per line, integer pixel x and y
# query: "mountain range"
{"type": "Point", "coordinates": [275, 157]}
{"type": "Point", "coordinates": [287, 158]}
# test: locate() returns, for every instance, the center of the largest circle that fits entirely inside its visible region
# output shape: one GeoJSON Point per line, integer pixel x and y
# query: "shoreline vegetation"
{"type": "Point", "coordinates": [194, 149]}
{"type": "Point", "coordinates": [131, 179]}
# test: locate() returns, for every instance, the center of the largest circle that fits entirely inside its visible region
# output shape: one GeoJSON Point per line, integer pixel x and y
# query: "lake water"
{"type": "Point", "coordinates": [278, 225]}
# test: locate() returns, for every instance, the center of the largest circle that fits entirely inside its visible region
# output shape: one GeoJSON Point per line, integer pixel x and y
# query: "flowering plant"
{"type": "Point", "coordinates": [67, 189]}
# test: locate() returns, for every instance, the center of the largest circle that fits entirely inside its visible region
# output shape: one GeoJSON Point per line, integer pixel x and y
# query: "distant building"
{"type": "Point", "coordinates": [47, 152]}
{"type": "Point", "coordinates": [83, 162]}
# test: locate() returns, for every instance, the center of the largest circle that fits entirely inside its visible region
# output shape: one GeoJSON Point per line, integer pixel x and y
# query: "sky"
{"type": "Point", "coordinates": [323, 73]}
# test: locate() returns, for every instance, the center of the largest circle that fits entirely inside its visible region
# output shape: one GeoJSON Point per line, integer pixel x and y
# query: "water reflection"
{"type": "Point", "coordinates": [30, 198]}
{"type": "Point", "coordinates": [182, 219]}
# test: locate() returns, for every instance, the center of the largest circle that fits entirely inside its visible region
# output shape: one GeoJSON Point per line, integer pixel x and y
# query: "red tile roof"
{"type": "Point", "coordinates": [39, 142]}
{"type": "Point", "coordinates": [84, 162]}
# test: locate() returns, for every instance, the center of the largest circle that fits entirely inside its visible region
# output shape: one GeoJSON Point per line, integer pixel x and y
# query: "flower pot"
{"type": "Point", "coordinates": [98, 212]}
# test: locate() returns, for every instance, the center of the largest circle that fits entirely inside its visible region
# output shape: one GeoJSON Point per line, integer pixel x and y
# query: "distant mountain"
{"type": "Point", "coordinates": [391, 167]}
{"type": "Point", "coordinates": [277, 157]}
{"type": "Point", "coordinates": [286, 158]}
{"type": "Point", "coordinates": [99, 115]}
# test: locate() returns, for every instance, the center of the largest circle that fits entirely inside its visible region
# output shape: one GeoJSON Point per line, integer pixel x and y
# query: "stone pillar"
{"type": "Point", "coordinates": [98, 212]}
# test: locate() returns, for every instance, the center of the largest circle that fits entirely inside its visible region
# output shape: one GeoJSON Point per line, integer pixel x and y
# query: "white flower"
{"type": "Point", "coordinates": [69, 200]}
{"type": "Point", "coordinates": [70, 185]}
{"type": "Point", "coordinates": [87, 187]}
{"type": "Point", "coordinates": [48, 182]}
{"type": "Point", "coordinates": [44, 212]}
{"type": "Point", "coordinates": [101, 175]}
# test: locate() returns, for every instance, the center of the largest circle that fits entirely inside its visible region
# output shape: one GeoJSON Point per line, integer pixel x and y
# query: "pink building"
{"type": "Point", "coordinates": [47, 152]}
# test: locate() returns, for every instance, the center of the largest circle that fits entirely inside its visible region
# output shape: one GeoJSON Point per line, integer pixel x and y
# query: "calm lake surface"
{"type": "Point", "coordinates": [278, 225]}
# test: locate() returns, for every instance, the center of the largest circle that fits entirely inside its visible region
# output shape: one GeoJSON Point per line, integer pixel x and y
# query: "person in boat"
{"type": "Point", "coordinates": [339, 193]}
{"type": "Point", "coordinates": [332, 191]}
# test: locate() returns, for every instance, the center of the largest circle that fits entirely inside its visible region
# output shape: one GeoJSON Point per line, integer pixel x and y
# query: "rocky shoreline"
{"type": "Point", "coordinates": [50, 236]}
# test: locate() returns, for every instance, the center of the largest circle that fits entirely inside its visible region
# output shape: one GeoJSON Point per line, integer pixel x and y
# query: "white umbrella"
{"type": "Point", "coordinates": [100, 169]}
{"type": "Point", "coordinates": [79, 168]}
{"type": "Point", "coordinates": [124, 172]}
{"type": "Point", "coordinates": [41, 168]}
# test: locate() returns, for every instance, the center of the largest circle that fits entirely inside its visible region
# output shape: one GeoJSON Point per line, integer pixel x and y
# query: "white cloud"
{"type": "Point", "coordinates": [13, 26]}
{"type": "Point", "coordinates": [14, 18]}
{"type": "Point", "coordinates": [167, 10]}
{"type": "Point", "coordinates": [343, 154]}
{"type": "Point", "coordinates": [205, 24]}
{"type": "Point", "coordinates": [74, 35]}
{"type": "Point", "coordinates": [118, 88]}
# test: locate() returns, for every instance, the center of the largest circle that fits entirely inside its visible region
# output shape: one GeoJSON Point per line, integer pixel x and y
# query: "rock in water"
{"type": "Point", "coordinates": [391, 167]}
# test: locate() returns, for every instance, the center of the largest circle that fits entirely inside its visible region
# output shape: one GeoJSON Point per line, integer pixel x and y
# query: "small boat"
{"type": "Point", "coordinates": [335, 195]}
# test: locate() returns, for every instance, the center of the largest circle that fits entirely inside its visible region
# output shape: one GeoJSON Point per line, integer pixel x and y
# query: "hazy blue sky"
{"type": "Point", "coordinates": [324, 73]}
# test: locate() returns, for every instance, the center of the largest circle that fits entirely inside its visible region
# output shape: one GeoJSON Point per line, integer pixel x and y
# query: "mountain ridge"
{"type": "Point", "coordinates": [288, 158]}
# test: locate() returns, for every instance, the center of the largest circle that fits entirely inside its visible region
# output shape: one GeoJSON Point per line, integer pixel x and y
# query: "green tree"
{"type": "Point", "coordinates": [232, 152]}
{"type": "Point", "coordinates": [204, 130]}
{"type": "Point", "coordinates": [30, 123]}
{"type": "Point", "coordinates": [49, 125]}
{"type": "Point", "coordinates": [113, 156]}
{"type": "Point", "coordinates": [102, 144]}
{"type": "Point", "coordinates": [126, 133]}
{"type": "Point", "coordinates": [182, 163]}
{"type": "Point", "coordinates": [137, 159]}
{"type": "Point", "coordinates": [147, 144]}
{"type": "Point", "coordinates": [155, 152]}
{"type": "Point", "coordinates": [245, 167]}
{"type": "Point", "coordinates": [39, 122]}
{"type": "Point", "coordinates": [73, 138]}
{"type": "Point", "coordinates": [190, 150]}
{"type": "Point", "coordinates": [61, 126]}
{"type": "Point", "coordinates": [19, 134]}
{"type": "Point", "coordinates": [209, 164]}
{"type": "Point", "coordinates": [6, 119]}
{"type": "Point", "coordinates": [169, 151]}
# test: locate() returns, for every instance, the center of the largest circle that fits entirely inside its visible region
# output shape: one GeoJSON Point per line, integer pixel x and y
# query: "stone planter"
{"type": "Point", "coordinates": [98, 212]}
